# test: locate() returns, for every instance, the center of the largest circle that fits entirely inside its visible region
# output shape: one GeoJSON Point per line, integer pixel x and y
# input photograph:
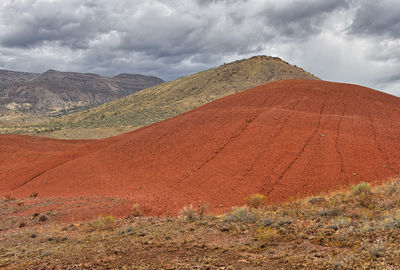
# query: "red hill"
{"type": "Point", "coordinates": [284, 139]}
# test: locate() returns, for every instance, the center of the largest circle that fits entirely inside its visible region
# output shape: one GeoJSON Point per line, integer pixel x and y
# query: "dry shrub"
{"type": "Point", "coordinates": [136, 211]}
{"type": "Point", "coordinates": [393, 189]}
{"type": "Point", "coordinates": [241, 214]}
{"type": "Point", "coordinates": [256, 200]}
{"type": "Point", "coordinates": [202, 209]}
{"type": "Point", "coordinates": [104, 223]}
{"type": "Point", "coordinates": [189, 212]}
{"type": "Point", "coordinates": [267, 234]}
{"type": "Point", "coordinates": [33, 195]}
{"type": "Point", "coordinates": [363, 194]}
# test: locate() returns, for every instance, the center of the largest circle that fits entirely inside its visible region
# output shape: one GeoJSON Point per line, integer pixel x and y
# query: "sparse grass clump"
{"type": "Point", "coordinates": [267, 234]}
{"type": "Point", "coordinates": [341, 222]}
{"type": "Point", "coordinates": [189, 212]}
{"type": "Point", "coordinates": [202, 209]}
{"type": "Point", "coordinates": [329, 212]}
{"type": "Point", "coordinates": [104, 223]}
{"type": "Point", "coordinates": [363, 194]}
{"type": "Point", "coordinates": [393, 189]}
{"type": "Point", "coordinates": [391, 221]}
{"type": "Point", "coordinates": [256, 200]}
{"type": "Point", "coordinates": [136, 211]}
{"type": "Point", "coordinates": [360, 189]}
{"type": "Point", "coordinates": [329, 233]}
{"type": "Point", "coordinates": [8, 198]}
{"type": "Point", "coordinates": [241, 214]}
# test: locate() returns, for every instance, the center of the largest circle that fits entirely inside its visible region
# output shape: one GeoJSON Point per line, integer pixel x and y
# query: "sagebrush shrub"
{"type": "Point", "coordinates": [256, 200]}
{"type": "Point", "coordinates": [267, 234]}
{"type": "Point", "coordinates": [104, 222]}
{"type": "Point", "coordinates": [241, 214]}
{"type": "Point", "coordinates": [363, 194]}
{"type": "Point", "coordinates": [360, 188]}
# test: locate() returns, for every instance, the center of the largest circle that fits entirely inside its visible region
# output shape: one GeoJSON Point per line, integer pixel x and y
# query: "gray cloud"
{"type": "Point", "coordinates": [302, 18]}
{"type": "Point", "coordinates": [33, 23]}
{"type": "Point", "coordinates": [335, 39]}
{"type": "Point", "coordinates": [378, 18]}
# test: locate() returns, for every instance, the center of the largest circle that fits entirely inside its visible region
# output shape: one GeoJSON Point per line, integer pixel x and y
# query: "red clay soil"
{"type": "Point", "coordinates": [285, 139]}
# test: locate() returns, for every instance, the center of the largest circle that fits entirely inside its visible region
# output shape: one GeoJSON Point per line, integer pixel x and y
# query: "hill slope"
{"type": "Point", "coordinates": [173, 98]}
{"type": "Point", "coordinates": [9, 78]}
{"type": "Point", "coordinates": [284, 139]}
{"type": "Point", "coordinates": [12, 80]}
{"type": "Point", "coordinates": [55, 93]}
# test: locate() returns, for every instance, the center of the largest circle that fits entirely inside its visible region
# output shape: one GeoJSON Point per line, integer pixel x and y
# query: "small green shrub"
{"type": "Point", "coordinates": [363, 193]}
{"type": "Point", "coordinates": [360, 189]}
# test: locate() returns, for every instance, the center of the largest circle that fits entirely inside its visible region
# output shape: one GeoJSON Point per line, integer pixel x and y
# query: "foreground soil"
{"type": "Point", "coordinates": [285, 139]}
{"type": "Point", "coordinates": [344, 230]}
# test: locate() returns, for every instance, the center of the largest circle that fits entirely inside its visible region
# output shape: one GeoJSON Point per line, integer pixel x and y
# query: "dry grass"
{"type": "Point", "coordinates": [256, 200]}
{"type": "Point", "coordinates": [326, 232]}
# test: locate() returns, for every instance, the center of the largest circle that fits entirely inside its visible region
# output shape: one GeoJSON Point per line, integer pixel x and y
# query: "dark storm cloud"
{"type": "Point", "coordinates": [302, 18]}
{"type": "Point", "coordinates": [378, 18]}
{"type": "Point", "coordinates": [170, 38]}
{"type": "Point", "coordinates": [32, 23]}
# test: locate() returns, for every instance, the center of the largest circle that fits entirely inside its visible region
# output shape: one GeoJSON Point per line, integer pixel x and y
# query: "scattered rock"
{"type": "Point", "coordinates": [43, 218]}
{"type": "Point", "coordinates": [315, 200]}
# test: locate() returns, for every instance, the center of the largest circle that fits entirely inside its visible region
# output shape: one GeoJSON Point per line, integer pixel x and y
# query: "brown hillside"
{"type": "Point", "coordinates": [283, 139]}
{"type": "Point", "coordinates": [169, 99]}
{"type": "Point", "coordinates": [57, 93]}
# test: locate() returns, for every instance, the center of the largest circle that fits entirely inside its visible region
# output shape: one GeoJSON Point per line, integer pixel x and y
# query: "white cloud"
{"type": "Point", "coordinates": [337, 40]}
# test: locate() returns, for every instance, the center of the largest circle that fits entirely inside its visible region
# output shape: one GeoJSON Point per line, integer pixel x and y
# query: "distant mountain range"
{"type": "Point", "coordinates": [55, 93]}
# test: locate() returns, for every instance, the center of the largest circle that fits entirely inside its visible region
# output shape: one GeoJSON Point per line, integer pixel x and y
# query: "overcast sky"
{"type": "Point", "coordinates": [355, 41]}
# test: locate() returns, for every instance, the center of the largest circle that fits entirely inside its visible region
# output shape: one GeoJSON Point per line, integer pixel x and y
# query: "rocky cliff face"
{"type": "Point", "coordinates": [54, 92]}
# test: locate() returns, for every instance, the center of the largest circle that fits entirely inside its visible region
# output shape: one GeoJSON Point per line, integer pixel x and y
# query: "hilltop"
{"type": "Point", "coordinates": [169, 99]}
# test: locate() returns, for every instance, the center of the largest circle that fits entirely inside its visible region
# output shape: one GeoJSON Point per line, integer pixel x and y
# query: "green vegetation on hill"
{"type": "Point", "coordinates": [173, 98]}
